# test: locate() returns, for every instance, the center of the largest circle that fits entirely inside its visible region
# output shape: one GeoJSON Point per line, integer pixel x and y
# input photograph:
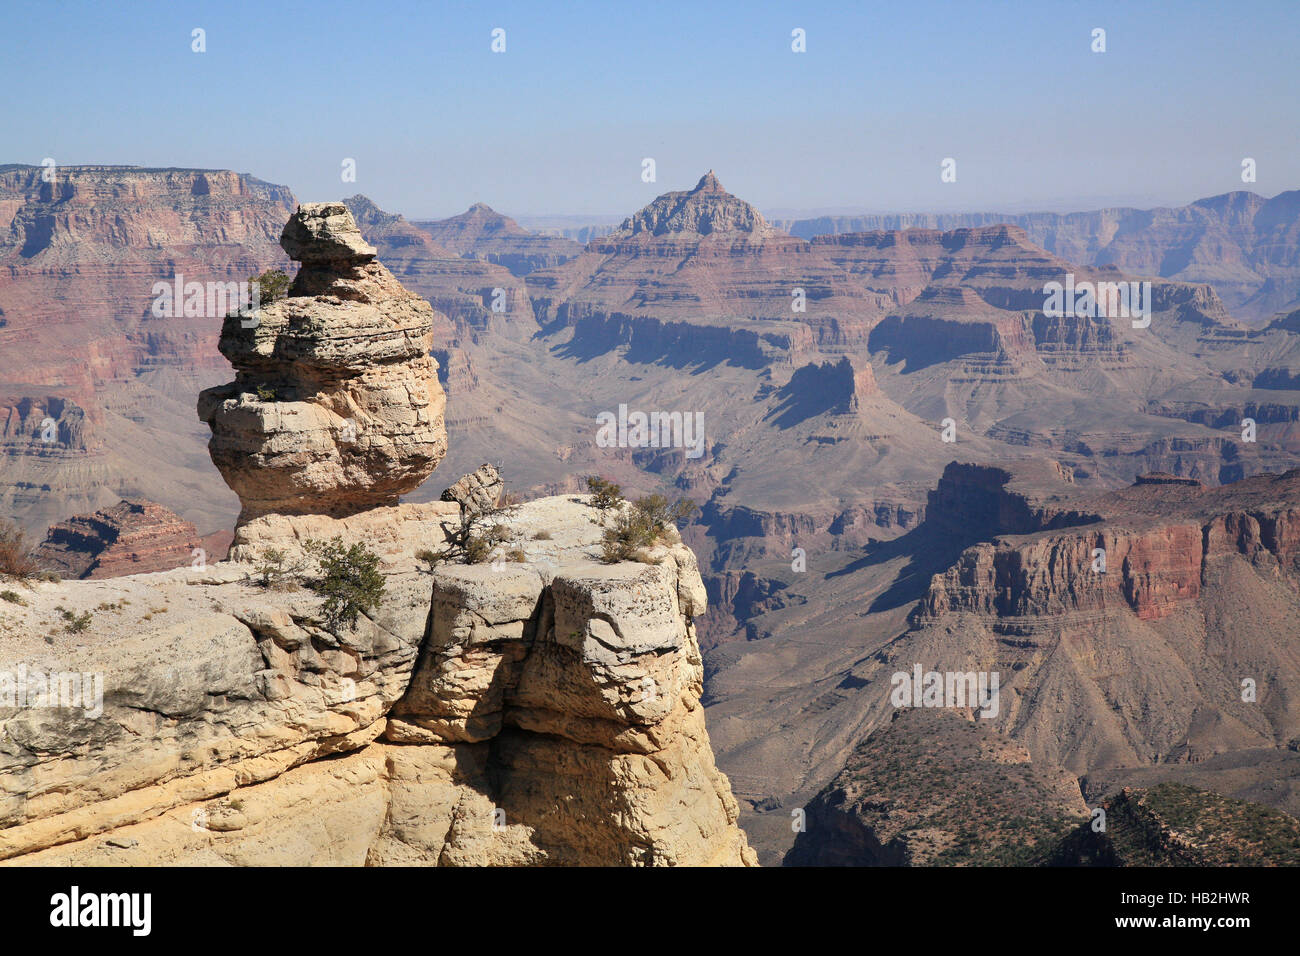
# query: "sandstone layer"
{"type": "Point", "coordinates": [546, 713]}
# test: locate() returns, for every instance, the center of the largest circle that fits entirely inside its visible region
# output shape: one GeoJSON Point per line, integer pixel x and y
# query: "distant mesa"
{"type": "Point", "coordinates": [134, 536]}
{"type": "Point", "coordinates": [1164, 478]}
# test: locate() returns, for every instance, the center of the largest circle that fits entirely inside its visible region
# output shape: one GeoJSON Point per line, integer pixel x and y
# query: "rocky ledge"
{"type": "Point", "coordinates": [541, 710]}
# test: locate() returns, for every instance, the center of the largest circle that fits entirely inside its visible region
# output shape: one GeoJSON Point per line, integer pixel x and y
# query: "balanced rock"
{"type": "Point", "coordinates": [336, 406]}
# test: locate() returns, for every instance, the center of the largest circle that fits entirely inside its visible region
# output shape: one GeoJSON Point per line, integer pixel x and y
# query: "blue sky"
{"type": "Point", "coordinates": [560, 122]}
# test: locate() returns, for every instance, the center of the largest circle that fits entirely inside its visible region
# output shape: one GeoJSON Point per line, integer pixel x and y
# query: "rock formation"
{"type": "Point", "coordinates": [544, 714]}
{"type": "Point", "coordinates": [132, 537]}
{"type": "Point", "coordinates": [336, 406]}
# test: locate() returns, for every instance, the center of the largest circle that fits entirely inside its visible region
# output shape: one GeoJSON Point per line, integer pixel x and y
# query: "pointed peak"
{"type": "Point", "coordinates": [708, 184]}
{"type": "Point", "coordinates": [705, 210]}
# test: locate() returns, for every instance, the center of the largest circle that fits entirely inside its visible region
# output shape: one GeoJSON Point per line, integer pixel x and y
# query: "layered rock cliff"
{"type": "Point", "coordinates": [82, 249]}
{"type": "Point", "coordinates": [543, 714]}
{"type": "Point", "coordinates": [132, 537]}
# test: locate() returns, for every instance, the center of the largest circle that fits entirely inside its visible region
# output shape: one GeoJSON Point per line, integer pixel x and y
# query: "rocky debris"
{"type": "Point", "coordinates": [550, 716]}
{"type": "Point", "coordinates": [336, 405]}
{"type": "Point", "coordinates": [132, 537]}
{"type": "Point", "coordinates": [477, 492]}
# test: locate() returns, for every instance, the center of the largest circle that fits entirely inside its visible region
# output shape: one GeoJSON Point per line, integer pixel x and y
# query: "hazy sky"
{"type": "Point", "coordinates": [560, 122]}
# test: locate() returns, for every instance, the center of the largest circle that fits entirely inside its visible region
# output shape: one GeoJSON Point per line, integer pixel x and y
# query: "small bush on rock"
{"type": "Point", "coordinates": [641, 526]}
{"type": "Point", "coordinates": [604, 494]}
{"type": "Point", "coordinates": [16, 559]}
{"type": "Point", "coordinates": [350, 581]}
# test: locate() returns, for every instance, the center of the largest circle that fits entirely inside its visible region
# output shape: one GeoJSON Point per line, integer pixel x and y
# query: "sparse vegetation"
{"type": "Point", "coordinates": [639, 527]}
{"type": "Point", "coordinates": [604, 494]}
{"type": "Point", "coordinates": [542, 535]}
{"type": "Point", "coordinates": [478, 545]}
{"type": "Point", "coordinates": [265, 393]}
{"type": "Point", "coordinates": [271, 285]}
{"type": "Point", "coordinates": [16, 559]}
{"type": "Point", "coordinates": [13, 597]}
{"type": "Point", "coordinates": [350, 581]}
{"type": "Point", "coordinates": [478, 535]}
{"type": "Point", "coordinates": [75, 623]}
{"type": "Point", "coordinates": [276, 571]}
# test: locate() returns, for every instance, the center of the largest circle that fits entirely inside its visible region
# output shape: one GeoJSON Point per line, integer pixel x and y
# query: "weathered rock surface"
{"type": "Point", "coordinates": [477, 492]}
{"type": "Point", "coordinates": [132, 537]}
{"type": "Point", "coordinates": [336, 405]}
{"type": "Point", "coordinates": [547, 713]}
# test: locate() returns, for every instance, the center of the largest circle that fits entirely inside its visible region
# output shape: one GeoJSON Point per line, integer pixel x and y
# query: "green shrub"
{"type": "Point", "coordinates": [271, 285]}
{"type": "Point", "coordinates": [277, 570]}
{"type": "Point", "coordinates": [660, 514]}
{"type": "Point", "coordinates": [641, 526]}
{"type": "Point", "coordinates": [12, 597]}
{"type": "Point", "coordinates": [349, 581]}
{"type": "Point", "coordinates": [76, 623]}
{"type": "Point", "coordinates": [604, 494]}
{"type": "Point", "coordinates": [265, 393]}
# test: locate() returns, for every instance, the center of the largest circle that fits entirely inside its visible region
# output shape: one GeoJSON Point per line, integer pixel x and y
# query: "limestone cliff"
{"type": "Point", "coordinates": [545, 713]}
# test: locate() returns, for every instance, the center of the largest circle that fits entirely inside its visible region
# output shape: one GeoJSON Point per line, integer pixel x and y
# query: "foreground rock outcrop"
{"type": "Point", "coordinates": [540, 708]}
{"type": "Point", "coordinates": [545, 713]}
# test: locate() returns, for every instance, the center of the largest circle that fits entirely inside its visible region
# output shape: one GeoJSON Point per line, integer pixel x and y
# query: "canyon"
{"type": "Point", "coordinates": [841, 533]}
